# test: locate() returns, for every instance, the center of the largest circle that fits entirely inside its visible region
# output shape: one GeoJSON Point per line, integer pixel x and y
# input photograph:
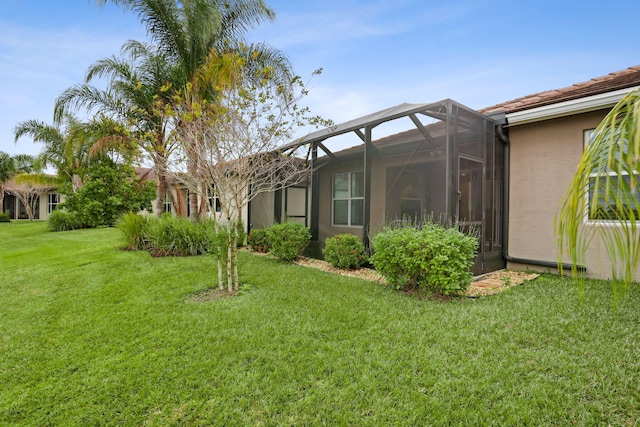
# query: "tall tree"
{"type": "Point", "coordinates": [606, 189]}
{"type": "Point", "coordinates": [66, 147]}
{"type": "Point", "coordinates": [7, 169]}
{"type": "Point", "coordinates": [187, 32]}
{"type": "Point", "coordinates": [138, 83]}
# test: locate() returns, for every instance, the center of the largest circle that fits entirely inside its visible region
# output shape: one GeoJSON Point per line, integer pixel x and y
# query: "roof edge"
{"type": "Point", "coordinates": [567, 108]}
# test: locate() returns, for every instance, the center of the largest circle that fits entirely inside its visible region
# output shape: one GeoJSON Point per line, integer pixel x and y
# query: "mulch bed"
{"type": "Point", "coordinates": [488, 284]}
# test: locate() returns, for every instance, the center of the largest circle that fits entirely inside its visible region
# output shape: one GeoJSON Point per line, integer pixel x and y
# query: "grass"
{"type": "Point", "coordinates": [93, 335]}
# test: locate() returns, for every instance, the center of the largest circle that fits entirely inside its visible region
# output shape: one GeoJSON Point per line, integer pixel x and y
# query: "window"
{"type": "Point", "coordinates": [212, 199]}
{"type": "Point", "coordinates": [622, 187]}
{"type": "Point", "coordinates": [167, 202]}
{"type": "Point", "coordinates": [52, 202]}
{"type": "Point", "coordinates": [348, 199]}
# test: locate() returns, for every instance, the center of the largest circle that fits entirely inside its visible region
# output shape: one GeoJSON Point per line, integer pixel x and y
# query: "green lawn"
{"type": "Point", "coordinates": [93, 335]}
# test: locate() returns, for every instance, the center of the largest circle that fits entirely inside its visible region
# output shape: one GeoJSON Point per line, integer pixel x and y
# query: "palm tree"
{"type": "Point", "coordinates": [608, 180]}
{"type": "Point", "coordinates": [187, 32]}
{"type": "Point", "coordinates": [65, 148]}
{"type": "Point", "coordinates": [7, 170]}
{"type": "Point", "coordinates": [138, 85]}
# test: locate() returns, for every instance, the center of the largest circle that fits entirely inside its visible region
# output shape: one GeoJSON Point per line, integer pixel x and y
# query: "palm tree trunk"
{"type": "Point", "coordinates": [161, 191]}
{"type": "Point", "coordinates": [193, 195]}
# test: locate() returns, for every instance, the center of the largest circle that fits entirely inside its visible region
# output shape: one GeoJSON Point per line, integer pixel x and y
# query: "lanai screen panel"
{"type": "Point", "coordinates": [415, 177]}
{"type": "Point", "coordinates": [452, 171]}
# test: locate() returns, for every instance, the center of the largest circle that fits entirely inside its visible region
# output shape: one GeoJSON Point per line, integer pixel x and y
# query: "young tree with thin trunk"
{"type": "Point", "coordinates": [234, 140]}
{"type": "Point", "coordinates": [28, 183]}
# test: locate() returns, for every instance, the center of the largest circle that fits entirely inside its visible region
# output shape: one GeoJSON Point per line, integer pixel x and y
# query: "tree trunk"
{"type": "Point", "coordinates": [161, 191]}
{"type": "Point", "coordinates": [76, 182]}
{"type": "Point", "coordinates": [229, 259]}
{"type": "Point", "coordinates": [193, 205]}
{"type": "Point", "coordinates": [204, 201]}
{"type": "Point", "coordinates": [220, 275]}
{"type": "Point", "coordinates": [219, 256]}
{"type": "Point", "coordinates": [236, 280]}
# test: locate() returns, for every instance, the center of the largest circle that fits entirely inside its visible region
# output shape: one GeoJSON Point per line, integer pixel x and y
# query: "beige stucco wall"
{"type": "Point", "coordinates": [44, 204]}
{"type": "Point", "coordinates": [543, 159]}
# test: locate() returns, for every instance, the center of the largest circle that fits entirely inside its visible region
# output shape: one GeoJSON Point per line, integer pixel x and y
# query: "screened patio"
{"type": "Point", "coordinates": [448, 166]}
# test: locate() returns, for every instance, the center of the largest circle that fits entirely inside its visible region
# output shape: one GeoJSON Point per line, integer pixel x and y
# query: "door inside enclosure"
{"type": "Point", "coordinates": [295, 202]}
{"type": "Point", "coordinates": [470, 212]}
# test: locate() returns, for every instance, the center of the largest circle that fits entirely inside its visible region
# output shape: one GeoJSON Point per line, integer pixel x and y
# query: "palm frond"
{"type": "Point", "coordinates": [606, 190]}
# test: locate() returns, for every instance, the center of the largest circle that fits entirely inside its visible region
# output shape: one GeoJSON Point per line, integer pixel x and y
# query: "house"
{"type": "Point", "coordinates": [42, 200]}
{"type": "Point", "coordinates": [501, 170]}
{"type": "Point", "coordinates": [546, 134]}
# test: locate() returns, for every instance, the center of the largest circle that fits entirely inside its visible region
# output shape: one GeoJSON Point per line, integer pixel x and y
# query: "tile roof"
{"type": "Point", "coordinates": [147, 174]}
{"type": "Point", "coordinates": [611, 82]}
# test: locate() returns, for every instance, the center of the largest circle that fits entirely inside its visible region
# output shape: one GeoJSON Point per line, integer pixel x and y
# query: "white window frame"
{"type": "Point", "coordinates": [349, 199]}
{"type": "Point", "coordinates": [167, 206]}
{"type": "Point", "coordinates": [51, 205]}
{"type": "Point", "coordinates": [213, 200]}
{"type": "Point", "coordinates": [587, 138]}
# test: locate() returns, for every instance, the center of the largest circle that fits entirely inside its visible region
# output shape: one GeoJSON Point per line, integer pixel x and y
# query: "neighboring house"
{"type": "Point", "coordinates": [176, 197]}
{"type": "Point", "coordinates": [502, 170]}
{"type": "Point", "coordinates": [42, 204]}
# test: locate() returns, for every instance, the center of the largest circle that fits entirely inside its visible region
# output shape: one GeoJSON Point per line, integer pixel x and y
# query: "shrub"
{"type": "Point", "coordinates": [433, 257]}
{"type": "Point", "coordinates": [4, 217]}
{"type": "Point", "coordinates": [344, 251]}
{"type": "Point", "coordinates": [109, 190]}
{"type": "Point", "coordinates": [242, 234]}
{"type": "Point", "coordinates": [288, 240]}
{"type": "Point", "coordinates": [224, 239]}
{"type": "Point", "coordinates": [61, 220]}
{"type": "Point", "coordinates": [135, 230]}
{"type": "Point", "coordinates": [180, 236]}
{"type": "Point", "coordinates": [258, 241]}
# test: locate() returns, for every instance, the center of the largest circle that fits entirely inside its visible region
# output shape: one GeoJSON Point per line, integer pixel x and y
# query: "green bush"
{"type": "Point", "coordinates": [344, 251]}
{"type": "Point", "coordinates": [180, 236]}
{"type": "Point", "coordinates": [223, 237]}
{"type": "Point", "coordinates": [258, 241]}
{"type": "Point", "coordinates": [61, 220]}
{"type": "Point", "coordinates": [434, 257]}
{"type": "Point", "coordinates": [288, 240]}
{"type": "Point", "coordinates": [4, 217]}
{"type": "Point", "coordinates": [135, 230]}
{"type": "Point", "coordinates": [242, 234]}
{"type": "Point", "coordinates": [109, 190]}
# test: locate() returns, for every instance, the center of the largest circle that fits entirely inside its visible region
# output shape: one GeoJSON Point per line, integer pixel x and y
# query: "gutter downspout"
{"type": "Point", "coordinates": [505, 219]}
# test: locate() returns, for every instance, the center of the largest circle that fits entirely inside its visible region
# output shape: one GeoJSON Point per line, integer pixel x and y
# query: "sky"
{"type": "Point", "coordinates": [374, 54]}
